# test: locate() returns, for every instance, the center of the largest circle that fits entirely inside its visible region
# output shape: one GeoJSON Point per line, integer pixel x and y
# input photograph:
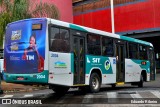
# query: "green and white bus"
{"type": "Point", "coordinates": [64, 55]}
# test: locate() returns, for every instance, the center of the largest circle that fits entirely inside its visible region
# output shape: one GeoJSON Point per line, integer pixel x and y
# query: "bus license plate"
{"type": "Point", "coordinates": [20, 78]}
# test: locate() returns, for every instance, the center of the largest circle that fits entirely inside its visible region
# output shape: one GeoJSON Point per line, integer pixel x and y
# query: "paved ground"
{"type": "Point", "coordinates": [13, 88]}
{"type": "Point", "coordinates": [123, 95]}
{"type": "Point", "coordinates": [10, 87]}
{"type": "Point", "coordinates": [103, 98]}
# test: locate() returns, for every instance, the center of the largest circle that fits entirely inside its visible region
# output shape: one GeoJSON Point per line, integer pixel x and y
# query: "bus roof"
{"type": "Point", "coordinates": [87, 29]}
{"type": "Point", "coordinates": [91, 30]}
{"type": "Point", "coordinates": [25, 20]}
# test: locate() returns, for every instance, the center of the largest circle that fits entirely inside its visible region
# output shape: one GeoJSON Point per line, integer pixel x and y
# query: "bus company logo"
{"type": "Point", "coordinates": [107, 65]}
{"type": "Point", "coordinates": [60, 64]}
{"type": "Point", "coordinates": [16, 35]}
{"type": "Point", "coordinates": [88, 61]}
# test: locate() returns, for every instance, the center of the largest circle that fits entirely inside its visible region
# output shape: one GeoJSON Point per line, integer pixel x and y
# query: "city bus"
{"type": "Point", "coordinates": [65, 55]}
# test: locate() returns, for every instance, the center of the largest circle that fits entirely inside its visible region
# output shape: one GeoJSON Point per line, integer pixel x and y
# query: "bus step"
{"type": "Point", "coordinates": [79, 85]}
{"type": "Point", "coordinates": [120, 83]}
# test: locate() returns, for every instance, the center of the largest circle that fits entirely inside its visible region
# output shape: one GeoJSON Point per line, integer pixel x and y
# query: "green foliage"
{"type": "Point", "coordinates": [13, 10]}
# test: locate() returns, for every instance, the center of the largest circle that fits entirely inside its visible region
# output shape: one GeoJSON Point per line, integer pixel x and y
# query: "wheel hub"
{"type": "Point", "coordinates": [95, 83]}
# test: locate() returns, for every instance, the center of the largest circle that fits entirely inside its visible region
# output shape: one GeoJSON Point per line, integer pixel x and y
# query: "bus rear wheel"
{"type": "Point", "coordinates": [113, 85]}
{"type": "Point", "coordinates": [95, 83]}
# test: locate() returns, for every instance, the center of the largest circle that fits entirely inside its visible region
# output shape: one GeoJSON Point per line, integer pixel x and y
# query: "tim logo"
{"type": "Point", "coordinates": [29, 57]}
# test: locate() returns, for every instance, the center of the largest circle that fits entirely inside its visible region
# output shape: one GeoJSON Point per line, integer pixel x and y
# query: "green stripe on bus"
{"type": "Point", "coordinates": [134, 40]}
{"type": "Point", "coordinates": [143, 67]}
{"type": "Point", "coordinates": [72, 62]}
{"type": "Point", "coordinates": [100, 62]}
{"type": "Point", "coordinates": [76, 27]}
{"type": "Point", "coordinates": [28, 78]}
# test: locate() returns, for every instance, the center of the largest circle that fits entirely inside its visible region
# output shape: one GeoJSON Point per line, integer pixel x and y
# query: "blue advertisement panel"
{"type": "Point", "coordinates": [24, 50]}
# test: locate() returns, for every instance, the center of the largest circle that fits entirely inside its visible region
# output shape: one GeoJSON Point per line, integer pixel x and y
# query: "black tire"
{"type": "Point", "coordinates": [134, 83]}
{"type": "Point", "coordinates": [113, 85]}
{"type": "Point", "coordinates": [140, 84]}
{"type": "Point", "coordinates": [60, 90]}
{"type": "Point", "coordinates": [94, 83]}
{"type": "Point", "coordinates": [83, 89]}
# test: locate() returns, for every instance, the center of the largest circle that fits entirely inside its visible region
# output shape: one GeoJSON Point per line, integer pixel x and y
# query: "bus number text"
{"type": "Point", "coordinates": [54, 55]}
{"type": "Point", "coordinates": [40, 76]}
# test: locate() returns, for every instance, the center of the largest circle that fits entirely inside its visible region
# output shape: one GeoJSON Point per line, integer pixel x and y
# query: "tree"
{"type": "Point", "coordinates": [13, 10]}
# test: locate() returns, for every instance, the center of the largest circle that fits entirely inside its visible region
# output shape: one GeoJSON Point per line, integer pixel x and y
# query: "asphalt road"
{"type": "Point", "coordinates": [127, 94]}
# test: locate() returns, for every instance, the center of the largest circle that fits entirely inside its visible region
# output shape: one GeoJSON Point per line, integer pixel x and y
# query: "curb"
{"type": "Point", "coordinates": [22, 90]}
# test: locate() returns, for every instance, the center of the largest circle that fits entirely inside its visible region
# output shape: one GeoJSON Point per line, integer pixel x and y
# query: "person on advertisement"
{"type": "Point", "coordinates": [32, 55]}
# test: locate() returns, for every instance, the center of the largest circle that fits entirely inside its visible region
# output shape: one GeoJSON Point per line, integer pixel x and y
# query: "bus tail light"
{"type": "Point", "coordinates": [41, 64]}
{"type": "Point", "coordinates": [143, 63]}
{"type": "Point", "coordinates": [4, 65]}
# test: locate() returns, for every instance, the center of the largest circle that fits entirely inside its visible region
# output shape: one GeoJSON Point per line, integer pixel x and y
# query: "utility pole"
{"type": "Point", "coordinates": [112, 16]}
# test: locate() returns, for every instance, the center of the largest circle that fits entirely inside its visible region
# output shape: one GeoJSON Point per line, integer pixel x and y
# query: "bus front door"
{"type": "Point", "coordinates": [79, 49]}
{"type": "Point", "coordinates": [120, 62]}
{"type": "Point", "coordinates": [152, 63]}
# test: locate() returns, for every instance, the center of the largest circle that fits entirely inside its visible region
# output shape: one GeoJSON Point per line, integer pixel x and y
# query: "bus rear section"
{"type": "Point", "coordinates": [24, 52]}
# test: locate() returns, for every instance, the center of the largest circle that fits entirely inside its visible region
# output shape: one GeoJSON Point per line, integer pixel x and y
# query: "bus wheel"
{"type": "Point", "coordinates": [140, 84]}
{"type": "Point", "coordinates": [94, 84]}
{"type": "Point", "coordinates": [113, 85]}
{"type": "Point", "coordinates": [60, 90]}
{"type": "Point", "coordinates": [83, 89]}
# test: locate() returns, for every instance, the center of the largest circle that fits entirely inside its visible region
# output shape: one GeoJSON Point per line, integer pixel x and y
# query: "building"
{"type": "Point", "coordinates": [133, 18]}
{"type": "Point", "coordinates": [64, 7]}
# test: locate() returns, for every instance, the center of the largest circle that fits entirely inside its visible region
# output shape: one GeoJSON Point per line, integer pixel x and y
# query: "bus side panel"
{"type": "Point", "coordinates": [107, 66]}
{"type": "Point", "coordinates": [27, 78]}
{"type": "Point", "coordinates": [61, 68]}
{"type": "Point", "coordinates": [110, 78]}
{"type": "Point", "coordinates": [133, 69]}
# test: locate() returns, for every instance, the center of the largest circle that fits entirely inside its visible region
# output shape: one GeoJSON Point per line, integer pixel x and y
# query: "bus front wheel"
{"type": "Point", "coordinates": [140, 84]}
{"type": "Point", "coordinates": [95, 83]}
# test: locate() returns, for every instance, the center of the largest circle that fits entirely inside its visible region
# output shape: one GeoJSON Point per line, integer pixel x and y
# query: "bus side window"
{"type": "Point", "coordinates": [133, 51]}
{"type": "Point", "coordinates": [54, 39]}
{"type": "Point", "coordinates": [143, 52]}
{"type": "Point", "coordinates": [59, 40]}
{"type": "Point", "coordinates": [93, 44]}
{"type": "Point", "coordinates": [64, 34]}
{"type": "Point", "coordinates": [107, 46]}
